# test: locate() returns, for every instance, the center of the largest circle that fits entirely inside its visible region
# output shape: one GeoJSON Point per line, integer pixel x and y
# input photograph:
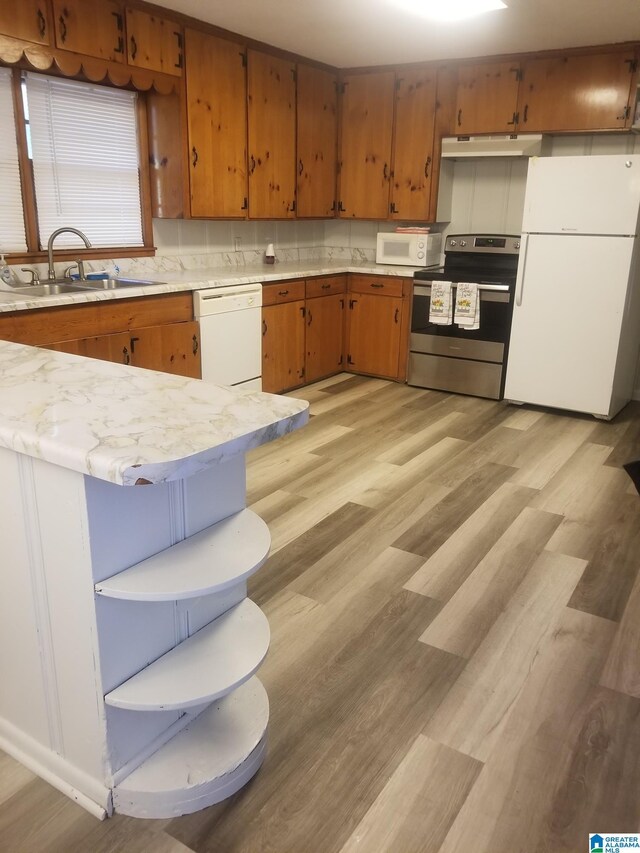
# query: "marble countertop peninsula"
{"type": "Point", "coordinates": [198, 279]}
{"type": "Point", "coordinates": [127, 425]}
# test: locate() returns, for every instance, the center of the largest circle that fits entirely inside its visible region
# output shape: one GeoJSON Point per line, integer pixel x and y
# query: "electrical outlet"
{"type": "Point", "coordinates": [237, 242]}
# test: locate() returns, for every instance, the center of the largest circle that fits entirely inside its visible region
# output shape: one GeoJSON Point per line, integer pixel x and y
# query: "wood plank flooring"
{"type": "Point", "coordinates": [454, 598]}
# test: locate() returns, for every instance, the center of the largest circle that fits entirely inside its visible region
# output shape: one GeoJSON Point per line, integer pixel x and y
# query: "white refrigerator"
{"type": "Point", "coordinates": [576, 319]}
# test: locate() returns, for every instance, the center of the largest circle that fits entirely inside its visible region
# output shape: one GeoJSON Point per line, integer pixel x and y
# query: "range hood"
{"type": "Point", "coordinates": [505, 145]}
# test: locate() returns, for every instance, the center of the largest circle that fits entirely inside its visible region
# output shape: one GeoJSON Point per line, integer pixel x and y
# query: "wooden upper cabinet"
{"type": "Point", "coordinates": [217, 120]}
{"type": "Point", "coordinates": [413, 160]}
{"type": "Point", "coordinates": [365, 151]}
{"type": "Point", "coordinates": [577, 92]}
{"type": "Point", "coordinates": [271, 99]}
{"type": "Point", "coordinates": [26, 19]}
{"type": "Point", "coordinates": [92, 27]}
{"type": "Point", "coordinates": [153, 42]}
{"type": "Point", "coordinates": [317, 141]}
{"type": "Point", "coordinates": [487, 98]}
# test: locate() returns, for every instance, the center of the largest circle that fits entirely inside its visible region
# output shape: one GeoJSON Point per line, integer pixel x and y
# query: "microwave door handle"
{"type": "Point", "coordinates": [521, 270]}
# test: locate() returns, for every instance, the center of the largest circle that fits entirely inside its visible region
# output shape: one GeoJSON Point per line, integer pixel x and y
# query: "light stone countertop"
{"type": "Point", "coordinates": [174, 282]}
{"type": "Point", "coordinates": [127, 425]}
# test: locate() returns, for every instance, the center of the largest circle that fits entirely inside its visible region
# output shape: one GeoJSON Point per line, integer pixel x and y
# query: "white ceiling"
{"type": "Point", "coordinates": [348, 33]}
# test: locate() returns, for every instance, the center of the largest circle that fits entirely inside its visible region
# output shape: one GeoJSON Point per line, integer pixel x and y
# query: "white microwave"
{"type": "Point", "coordinates": [411, 250]}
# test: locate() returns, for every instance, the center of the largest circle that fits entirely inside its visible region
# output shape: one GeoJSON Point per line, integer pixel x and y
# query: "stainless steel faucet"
{"type": "Point", "coordinates": [56, 233]}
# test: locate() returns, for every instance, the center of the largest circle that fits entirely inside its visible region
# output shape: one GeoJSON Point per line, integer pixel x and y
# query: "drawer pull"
{"type": "Point", "coordinates": [325, 286]}
{"type": "Point", "coordinates": [378, 285]}
{"type": "Point", "coordinates": [196, 345]}
{"type": "Point", "coordinates": [283, 293]}
{"type": "Point", "coordinates": [264, 328]}
{"type": "Point", "coordinates": [396, 315]}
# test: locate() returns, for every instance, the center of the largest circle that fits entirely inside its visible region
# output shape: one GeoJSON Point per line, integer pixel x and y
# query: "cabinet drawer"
{"type": "Point", "coordinates": [282, 291]}
{"type": "Point", "coordinates": [326, 285]}
{"type": "Point", "coordinates": [383, 284]}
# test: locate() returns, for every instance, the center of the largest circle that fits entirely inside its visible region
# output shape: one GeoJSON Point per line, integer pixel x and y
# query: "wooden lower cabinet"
{"type": "Point", "coordinates": [156, 332]}
{"type": "Point", "coordinates": [324, 336]}
{"type": "Point", "coordinates": [378, 325]}
{"type": "Point", "coordinates": [170, 348]}
{"type": "Point", "coordinates": [283, 331]}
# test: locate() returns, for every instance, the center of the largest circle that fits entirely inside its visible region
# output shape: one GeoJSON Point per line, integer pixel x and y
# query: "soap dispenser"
{"type": "Point", "coordinates": [6, 273]}
{"type": "Point", "coordinates": [270, 254]}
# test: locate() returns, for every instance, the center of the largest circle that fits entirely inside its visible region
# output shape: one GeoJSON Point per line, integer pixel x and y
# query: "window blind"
{"type": "Point", "coordinates": [85, 161]}
{"type": "Point", "coordinates": [12, 232]}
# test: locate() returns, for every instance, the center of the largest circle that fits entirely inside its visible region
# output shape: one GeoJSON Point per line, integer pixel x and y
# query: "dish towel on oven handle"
{"type": "Point", "coordinates": [467, 313]}
{"type": "Point", "coordinates": [441, 303]}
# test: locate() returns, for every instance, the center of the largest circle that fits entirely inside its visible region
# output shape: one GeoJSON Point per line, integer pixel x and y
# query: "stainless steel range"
{"type": "Point", "coordinates": [450, 358]}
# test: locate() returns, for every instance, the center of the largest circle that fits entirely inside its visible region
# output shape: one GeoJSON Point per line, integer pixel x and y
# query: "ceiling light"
{"type": "Point", "coordinates": [451, 10]}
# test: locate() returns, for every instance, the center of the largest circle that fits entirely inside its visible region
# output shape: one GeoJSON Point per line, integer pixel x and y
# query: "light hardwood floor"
{"type": "Point", "coordinates": [454, 599]}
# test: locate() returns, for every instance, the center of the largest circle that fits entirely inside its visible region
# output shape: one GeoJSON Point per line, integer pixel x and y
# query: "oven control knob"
{"type": "Point", "coordinates": [516, 245]}
{"type": "Point", "coordinates": [421, 254]}
{"type": "Point", "coordinates": [452, 243]}
{"type": "Point", "coordinates": [463, 242]}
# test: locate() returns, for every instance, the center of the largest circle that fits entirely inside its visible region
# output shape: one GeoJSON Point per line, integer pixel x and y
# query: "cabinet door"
{"type": "Point", "coordinates": [487, 98]}
{"type": "Point", "coordinates": [581, 92]}
{"type": "Point", "coordinates": [325, 336]}
{"type": "Point", "coordinates": [115, 348]}
{"type": "Point", "coordinates": [154, 43]}
{"type": "Point", "coordinates": [374, 334]}
{"type": "Point", "coordinates": [92, 27]}
{"type": "Point", "coordinates": [216, 108]}
{"type": "Point", "coordinates": [271, 91]}
{"type": "Point", "coordinates": [317, 141]}
{"type": "Point", "coordinates": [172, 348]}
{"type": "Point", "coordinates": [26, 20]}
{"type": "Point", "coordinates": [413, 160]}
{"type": "Point", "coordinates": [365, 151]}
{"type": "Point", "coordinates": [283, 329]}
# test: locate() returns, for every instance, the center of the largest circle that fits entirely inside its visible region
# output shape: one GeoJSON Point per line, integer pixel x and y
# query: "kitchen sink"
{"type": "Point", "coordinates": [50, 288]}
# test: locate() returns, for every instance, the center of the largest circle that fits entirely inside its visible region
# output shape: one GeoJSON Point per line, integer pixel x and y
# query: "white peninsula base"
{"type": "Point", "coordinates": [129, 644]}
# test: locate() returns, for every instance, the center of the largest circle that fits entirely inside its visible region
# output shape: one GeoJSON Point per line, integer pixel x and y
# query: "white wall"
{"type": "Point", "coordinates": [199, 236]}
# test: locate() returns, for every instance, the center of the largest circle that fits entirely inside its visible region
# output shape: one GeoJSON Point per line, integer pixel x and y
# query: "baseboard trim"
{"type": "Point", "coordinates": [54, 769]}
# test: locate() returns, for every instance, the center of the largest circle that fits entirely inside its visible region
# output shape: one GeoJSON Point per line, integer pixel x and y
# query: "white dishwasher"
{"type": "Point", "coordinates": [231, 334]}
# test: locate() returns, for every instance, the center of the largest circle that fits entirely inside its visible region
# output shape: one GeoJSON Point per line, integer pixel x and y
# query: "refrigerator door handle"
{"type": "Point", "coordinates": [521, 269]}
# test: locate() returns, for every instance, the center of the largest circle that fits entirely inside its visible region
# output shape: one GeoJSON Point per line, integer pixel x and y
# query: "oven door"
{"type": "Point", "coordinates": [464, 361]}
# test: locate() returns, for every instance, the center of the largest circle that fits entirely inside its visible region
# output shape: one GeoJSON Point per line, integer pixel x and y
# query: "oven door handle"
{"type": "Point", "coordinates": [521, 269]}
{"type": "Point", "coordinates": [425, 289]}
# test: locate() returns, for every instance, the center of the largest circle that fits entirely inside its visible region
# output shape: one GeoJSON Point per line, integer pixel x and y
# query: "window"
{"type": "Point", "coordinates": [78, 154]}
{"type": "Point", "coordinates": [84, 145]}
{"type": "Point", "coordinates": [12, 231]}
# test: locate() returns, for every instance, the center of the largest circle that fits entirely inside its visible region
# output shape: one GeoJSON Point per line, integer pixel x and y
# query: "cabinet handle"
{"type": "Point", "coordinates": [625, 114]}
{"type": "Point", "coordinates": [42, 24]}
{"type": "Point", "coordinates": [525, 114]}
{"type": "Point", "coordinates": [180, 61]}
{"type": "Point", "coordinates": [341, 207]}
{"type": "Point", "coordinates": [396, 315]}
{"type": "Point", "coordinates": [196, 345]}
{"type": "Point", "coordinates": [292, 206]}
{"type": "Point", "coordinates": [352, 302]}
{"type": "Point", "coordinates": [310, 316]}
{"type": "Point", "coordinates": [252, 167]}
{"type": "Point", "coordinates": [283, 293]}
{"type": "Point", "coordinates": [134, 47]}
{"type": "Point", "coordinates": [126, 358]}
{"type": "Point", "coordinates": [63, 29]}
{"type": "Point", "coordinates": [333, 206]}
{"type": "Point", "coordinates": [303, 311]}
{"type": "Point", "coordinates": [426, 166]}
{"type": "Point", "coordinates": [133, 344]}
{"type": "Point", "coordinates": [194, 154]}
{"type": "Point", "coordinates": [376, 284]}
{"type": "Point", "coordinates": [300, 167]}
{"type": "Point", "coordinates": [514, 119]}
{"type": "Point", "coordinates": [385, 172]}
{"type": "Point", "coordinates": [325, 286]}
{"type": "Point", "coordinates": [264, 328]}
{"type": "Point", "coordinates": [120, 26]}
{"type": "Point", "coordinates": [245, 204]}
{"type": "Point", "coordinates": [459, 117]}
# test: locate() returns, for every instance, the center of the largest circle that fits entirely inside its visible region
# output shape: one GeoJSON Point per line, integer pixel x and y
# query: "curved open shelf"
{"type": "Point", "coordinates": [210, 561]}
{"type": "Point", "coordinates": [207, 761]}
{"type": "Point", "coordinates": [207, 665]}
